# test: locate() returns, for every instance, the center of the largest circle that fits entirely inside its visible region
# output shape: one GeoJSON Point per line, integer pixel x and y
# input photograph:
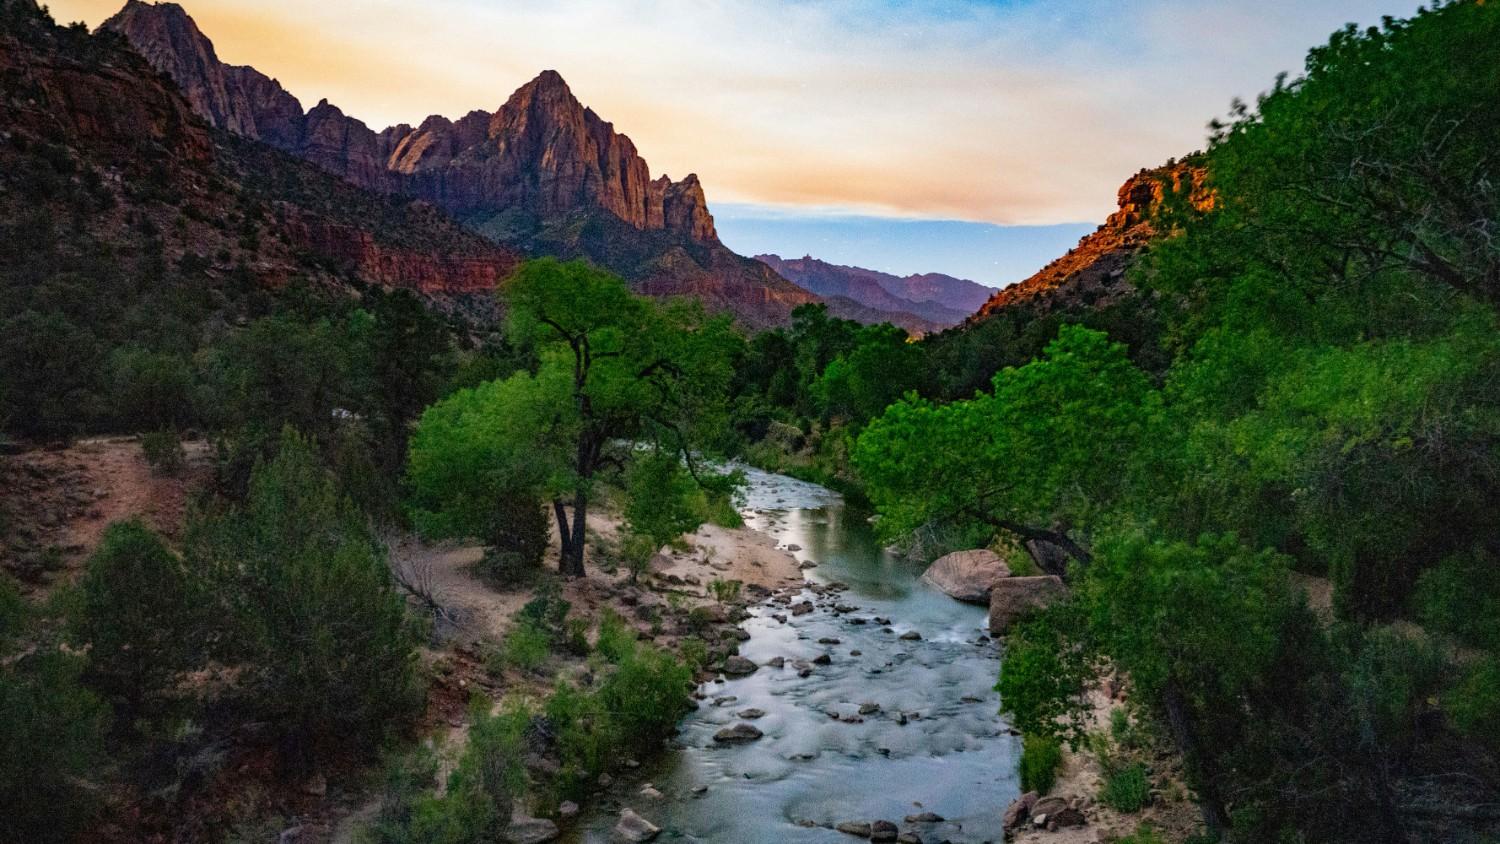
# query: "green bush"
{"type": "Point", "coordinates": [163, 452]}
{"type": "Point", "coordinates": [1040, 756]}
{"type": "Point", "coordinates": [526, 648]}
{"type": "Point", "coordinates": [636, 550]}
{"type": "Point", "coordinates": [616, 640]}
{"type": "Point", "coordinates": [51, 733]}
{"type": "Point", "coordinates": [725, 591]}
{"type": "Point", "coordinates": [1144, 834]}
{"type": "Point", "coordinates": [479, 796]}
{"type": "Point", "coordinates": [1127, 789]}
{"type": "Point", "coordinates": [305, 603]}
{"type": "Point", "coordinates": [140, 619]}
{"type": "Point", "coordinates": [1474, 705]}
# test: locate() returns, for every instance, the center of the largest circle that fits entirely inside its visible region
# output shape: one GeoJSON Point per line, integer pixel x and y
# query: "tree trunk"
{"type": "Point", "coordinates": [1214, 815]}
{"type": "Point", "coordinates": [565, 536]}
{"type": "Point", "coordinates": [573, 558]}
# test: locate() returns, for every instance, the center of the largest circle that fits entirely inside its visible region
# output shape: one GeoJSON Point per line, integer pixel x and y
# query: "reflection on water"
{"type": "Point", "coordinates": [935, 743]}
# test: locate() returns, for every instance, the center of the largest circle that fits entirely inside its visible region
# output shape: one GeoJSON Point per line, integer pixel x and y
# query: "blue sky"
{"type": "Point", "coordinates": [982, 252]}
{"type": "Point", "coordinates": [1005, 112]}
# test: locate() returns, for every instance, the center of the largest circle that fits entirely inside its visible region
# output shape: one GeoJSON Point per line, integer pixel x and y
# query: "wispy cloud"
{"type": "Point", "coordinates": [1006, 112]}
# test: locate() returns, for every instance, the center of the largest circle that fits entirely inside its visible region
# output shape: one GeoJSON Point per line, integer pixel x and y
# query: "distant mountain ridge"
{"type": "Point", "coordinates": [935, 298]}
{"type": "Point", "coordinates": [542, 173]}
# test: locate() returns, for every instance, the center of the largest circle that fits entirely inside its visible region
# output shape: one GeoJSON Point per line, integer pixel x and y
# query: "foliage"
{"type": "Point", "coordinates": [612, 367]}
{"type": "Point", "coordinates": [1040, 756]}
{"type": "Point", "coordinates": [1126, 789]}
{"type": "Point", "coordinates": [725, 591]}
{"type": "Point", "coordinates": [615, 639]}
{"type": "Point", "coordinates": [138, 609]}
{"type": "Point", "coordinates": [526, 647]}
{"type": "Point", "coordinates": [303, 600]}
{"type": "Point", "coordinates": [51, 732]}
{"type": "Point", "coordinates": [163, 452]}
{"type": "Point", "coordinates": [477, 801]}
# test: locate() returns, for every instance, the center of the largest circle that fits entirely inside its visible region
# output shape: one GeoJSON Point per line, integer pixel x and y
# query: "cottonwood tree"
{"type": "Point", "coordinates": [616, 372]}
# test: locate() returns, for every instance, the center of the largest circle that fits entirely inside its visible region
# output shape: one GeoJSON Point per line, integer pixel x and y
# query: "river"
{"type": "Point", "coordinates": [936, 744]}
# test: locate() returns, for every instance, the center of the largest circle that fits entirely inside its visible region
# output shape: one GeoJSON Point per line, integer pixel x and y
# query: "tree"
{"type": "Point", "coordinates": [306, 605]}
{"type": "Point", "coordinates": [1054, 449]}
{"type": "Point", "coordinates": [139, 618]}
{"type": "Point", "coordinates": [615, 370]}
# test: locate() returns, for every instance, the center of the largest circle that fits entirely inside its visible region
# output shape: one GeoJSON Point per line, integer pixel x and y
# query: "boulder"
{"type": "Point", "coordinates": [524, 829]}
{"type": "Point", "coordinates": [634, 828]}
{"type": "Point", "coordinates": [967, 575]}
{"type": "Point", "coordinates": [1019, 810]}
{"type": "Point", "coordinates": [738, 734]}
{"type": "Point", "coordinates": [738, 666]}
{"type": "Point", "coordinates": [1014, 597]}
{"type": "Point", "coordinates": [1049, 806]}
{"type": "Point", "coordinates": [883, 831]}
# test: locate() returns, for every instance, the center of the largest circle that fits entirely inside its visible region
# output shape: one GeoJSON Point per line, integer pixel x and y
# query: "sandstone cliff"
{"type": "Point", "coordinates": [159, 178]}
{"type": "Point", "coordinates": [542, 173]}
{"type": "Point", "coordinates": [1094, 270]}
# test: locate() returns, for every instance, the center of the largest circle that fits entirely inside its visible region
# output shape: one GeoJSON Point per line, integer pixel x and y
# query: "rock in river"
{"type": "Point", "coordinates": [859, 828]}
{"type": "Point", "coordinates": [883, 831]}
{"type": "Point", "coordinates": [738, 666]}
{"type": "Point", "coordinates": [529, 830]}
{"type": "Point", "coordinates": [967, 575]}
{"type": "Point", "coordinates": [738, 734]}
{"type": "Point", "coordinates": [634, 828]}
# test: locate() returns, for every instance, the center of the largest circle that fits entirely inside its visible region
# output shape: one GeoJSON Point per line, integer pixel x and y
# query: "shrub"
{"type": "Point", "coordinates": [1144, 834]}
{"type": "Point", "coordinates": [51, 734]}
{"type": "Point", "coordinates": [1474, 705]}
{"type": "Point", "coordinates": [1040, 756]}
{"type": "Point", "coordinates": [725, 591]}
{"type": "Point", "coordinates": [646, 694]}
{"type": "Point", "coordinates": [615, 640]}
{"type": "Point", "coordinates": [307, 605]}
{"type": "Point", "coordinates": [636, 550]}
{"type": "Point", "coordinates": [163, 452]}
{"type": "Point", "coordinates": [1126, 789]}
{"type": "Point", "coordinates": [477, 802]}
{"type": "Point", "coordinates": [526, 647]}
{"type": "Point", "coordinates": [576, 636]}
{"type": "Point", "coordinates": [139, 619]}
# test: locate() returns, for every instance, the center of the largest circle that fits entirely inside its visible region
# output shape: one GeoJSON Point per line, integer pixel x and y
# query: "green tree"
{"type": "Point", "coordinates": [140, 619]}
{"type": "Point", "coordinates": [306, 605]}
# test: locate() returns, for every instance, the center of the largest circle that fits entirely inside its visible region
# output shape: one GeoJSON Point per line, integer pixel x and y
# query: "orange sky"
{"type": "Point", "coordinates": [1005, 111]}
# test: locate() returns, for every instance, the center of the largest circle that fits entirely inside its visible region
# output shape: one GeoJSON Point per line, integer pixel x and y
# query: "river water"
{"type": "Point", "coordinates": [952, 756]}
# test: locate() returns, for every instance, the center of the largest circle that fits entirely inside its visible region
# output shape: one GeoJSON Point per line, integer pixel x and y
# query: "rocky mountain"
{"type": "Point", "coordinates": [542, 173]}
{"type": "Point", "coordinates": [90, 133]}
{"type": "Point", "coordinates": [1093, 272]}
{"type": "Point", "coordinates": [938, 299]}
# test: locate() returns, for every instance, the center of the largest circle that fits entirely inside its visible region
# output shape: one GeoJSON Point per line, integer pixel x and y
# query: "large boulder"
{"type": "Point", "coordinates": [738, 734]}
{"type": "Point", "coordinates": [1014, 597]}
{"type": "Point", "coordinates": [967, 575]}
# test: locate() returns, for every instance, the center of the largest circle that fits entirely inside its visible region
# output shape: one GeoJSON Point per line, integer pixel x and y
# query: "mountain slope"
{"type": "Point", "coordinates": [1093, 272]}
{"type": "Point", "coordinates": [935, 298]}
{"type": "Point", "coordinates": [94, 135]}
{"type": "Point", "coordinates": [542, 173]}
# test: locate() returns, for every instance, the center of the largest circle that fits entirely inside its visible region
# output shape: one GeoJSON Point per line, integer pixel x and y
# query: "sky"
{"type": "Point", "coordinates": [871, 112]}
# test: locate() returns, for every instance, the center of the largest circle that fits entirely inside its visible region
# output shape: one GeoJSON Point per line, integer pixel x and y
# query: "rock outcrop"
{"type": "Point", "coordinates": [1093, 272]}
{"type": "Point", "coordinates": [1014, 597]}
{"type": "Point", "coordinates": [967, 575]}
{"type": "Point", "coordinates": [158, 160]}
{"type": "Point", "coordinates": [542, 173]}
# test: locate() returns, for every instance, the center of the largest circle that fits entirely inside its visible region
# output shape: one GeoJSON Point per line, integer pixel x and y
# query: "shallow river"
{"type": "Point", "coordinates": [953, 755]}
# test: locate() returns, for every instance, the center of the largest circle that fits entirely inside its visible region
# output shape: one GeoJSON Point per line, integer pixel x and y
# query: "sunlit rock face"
{"type": "Point", "coordinates": [542, 173]}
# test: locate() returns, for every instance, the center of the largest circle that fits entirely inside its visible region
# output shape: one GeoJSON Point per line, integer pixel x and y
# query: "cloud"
{"type": "Point", "coordinates": [1020, 112]}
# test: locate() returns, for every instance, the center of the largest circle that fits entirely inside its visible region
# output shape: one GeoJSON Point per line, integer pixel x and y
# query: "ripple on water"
{"type": "Point", "coordinates": [952, 756]}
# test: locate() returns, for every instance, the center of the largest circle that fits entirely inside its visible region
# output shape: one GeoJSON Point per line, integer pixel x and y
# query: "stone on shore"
{"type": "Point", "coordinates": [1015, 597]}
{"type": "Point", "coordinates": [738, 666]}
{"type": "Point", "coordinates": [528, 830]}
